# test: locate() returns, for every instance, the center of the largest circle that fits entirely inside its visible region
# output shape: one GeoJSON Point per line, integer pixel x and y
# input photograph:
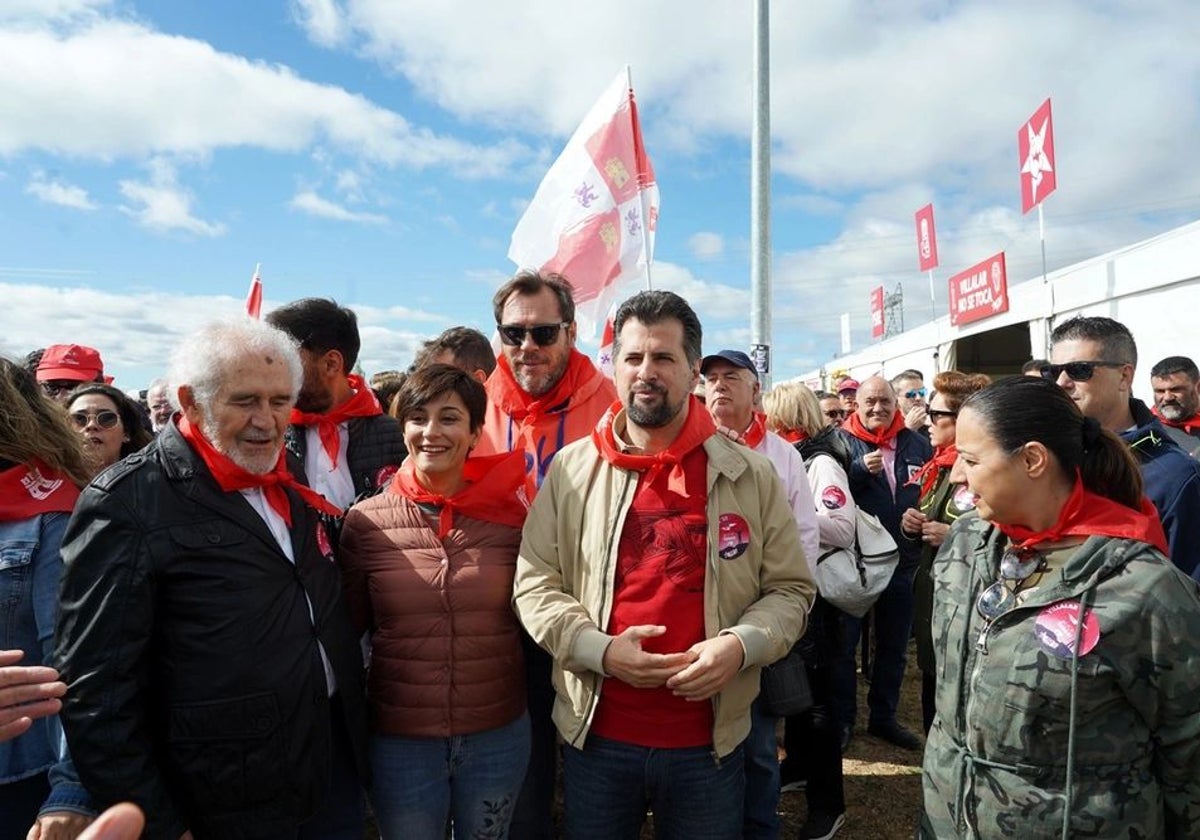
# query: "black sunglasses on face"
{"type": "Point", "coordinates": [936, 414]}
{"type": "Point", "coordinates": [543, 334]}
{"type": "Point", "coordinates": [104, 419]}
{"type": "Point", "coordinates": [1076, 371]}
{"type": "Point", "coordinates": [836, 414]}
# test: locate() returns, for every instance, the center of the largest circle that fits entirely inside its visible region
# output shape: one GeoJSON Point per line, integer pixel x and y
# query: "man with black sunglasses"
{"type": "Point", "coordinates": [1093, 359]}
{"type": "Point", "coordinates": [542, 395]}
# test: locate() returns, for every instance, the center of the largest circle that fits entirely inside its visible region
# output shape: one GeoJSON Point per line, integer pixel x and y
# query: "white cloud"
{"type": "Point", "coordinates": [112, 88]}
{"type": "Point", "coordinates": [322, 20]}
{"type": "Point", "coordinates": [309, 202]}
{"type": "Point", "coordinates": [57, 192]}
{"type": "Point", "coordinates": [161, 205]}
{"type": "Point", "coordinates": [706, 245]}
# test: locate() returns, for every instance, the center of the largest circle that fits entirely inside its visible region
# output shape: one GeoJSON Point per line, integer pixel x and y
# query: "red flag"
{"type": "Point", "coordinates": [254, 296]}
{"type": "Point", "coordinates": [595, 213]}
{"type": "Point", "coordinates": [877, 312]}
{"type": "Point", "coordinates": [979, 292]}
{"type": "Point", "coordinates": [927, 256]}
{"type": "Point", "coordinates": [1035, 148]}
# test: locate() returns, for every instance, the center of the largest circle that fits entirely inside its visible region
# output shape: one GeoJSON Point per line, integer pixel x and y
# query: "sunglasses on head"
{"type": "Point", "coordinates": [914, 393]}
{"type": "Point", "coordinates": [105, 419]}
{"type": "Point", "coordinates": [543, 334]}
{"type": "Point", "coordinates": [1076, 371]}
{"type": "Point", "coordinates": [935, 414]}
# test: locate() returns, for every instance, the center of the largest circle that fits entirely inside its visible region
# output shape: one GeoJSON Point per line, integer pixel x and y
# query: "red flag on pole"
{"type": "Point", "coordinates": [927, 256]}
{"type": "Point", "coordinates": [594, 215]}
{"type": "Point", "coordinates": [254, 296]}
{"type": "Point", "coordinates": [1035, 148]}
{"type": "Point", "coordinates": [877, 312]}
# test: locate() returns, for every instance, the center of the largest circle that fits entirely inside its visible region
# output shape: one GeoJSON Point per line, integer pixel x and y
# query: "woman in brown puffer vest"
{"type": "Point", "coordinates": [428, 568]}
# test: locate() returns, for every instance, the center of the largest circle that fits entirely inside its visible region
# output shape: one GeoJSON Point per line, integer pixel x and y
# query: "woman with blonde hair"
{"type": "Point", "coordinates": [812, 739]}
{"type": "Point", "coordinates": [941, 503]}
{"type": "Point", "coordinates": [42, 467]}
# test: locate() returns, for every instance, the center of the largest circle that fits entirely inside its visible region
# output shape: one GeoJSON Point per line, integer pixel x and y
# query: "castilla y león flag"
{"type": "Point", "coordinates": [594, 214]}
{"type": "Point", "coordinates": [1035, 148]}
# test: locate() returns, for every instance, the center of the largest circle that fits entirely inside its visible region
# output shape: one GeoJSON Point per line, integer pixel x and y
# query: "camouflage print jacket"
{"type": "Point", "coordinates": [996, 758]}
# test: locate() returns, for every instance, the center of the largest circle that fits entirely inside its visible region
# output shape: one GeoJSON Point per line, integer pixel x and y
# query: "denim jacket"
{"type": "Point", "coordinates": [30, 568]}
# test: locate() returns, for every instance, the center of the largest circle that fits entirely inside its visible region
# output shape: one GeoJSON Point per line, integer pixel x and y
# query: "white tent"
{"type": "Point", "coordinates": [1153, 287]}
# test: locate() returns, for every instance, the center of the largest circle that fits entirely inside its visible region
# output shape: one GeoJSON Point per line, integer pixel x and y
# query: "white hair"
{"type": "Point", "coordinates": [201, 360]}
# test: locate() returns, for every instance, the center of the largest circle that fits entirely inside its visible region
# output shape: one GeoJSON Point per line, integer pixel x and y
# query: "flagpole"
{"type": "Point", "coordinates": [641, 194]}
{"type": "Point", "coordinates": [760, 197]}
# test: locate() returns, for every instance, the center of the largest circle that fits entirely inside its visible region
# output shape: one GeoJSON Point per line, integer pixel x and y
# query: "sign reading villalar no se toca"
{"type": "Point", "coordinates": [979, 292]}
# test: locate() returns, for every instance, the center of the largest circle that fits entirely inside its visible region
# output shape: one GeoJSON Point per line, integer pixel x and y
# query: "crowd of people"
{"type": "Point", "coordinates": [271, 598]}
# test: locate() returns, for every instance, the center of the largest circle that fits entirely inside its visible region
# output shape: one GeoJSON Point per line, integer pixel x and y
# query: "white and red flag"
{"type": "Point", "coordinates": [594, 215]}
{"type": "Point", "coordinates": [605, 360]}
{"type": "Point", "coordinates": [1035, 148]}
{"type": "Point", "coordinates": [927, 256]}
{"type": "Point", "coordinates": [254, 296]}
{"type": "Point", "coordinates": [877, 326]}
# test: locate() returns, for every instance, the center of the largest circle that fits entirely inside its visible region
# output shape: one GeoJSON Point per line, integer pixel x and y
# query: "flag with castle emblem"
{"type": "Point", "coordinates": [594, 215]}
{"type": "Point", "coordinates": [1035, 148]}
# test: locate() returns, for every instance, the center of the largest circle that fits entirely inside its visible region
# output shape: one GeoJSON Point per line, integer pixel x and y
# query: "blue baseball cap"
{"type": "Point", "coordinates": [734, 357]}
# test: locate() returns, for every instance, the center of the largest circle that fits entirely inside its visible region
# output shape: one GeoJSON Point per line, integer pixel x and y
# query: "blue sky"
{"type": "Point", "coordinates": [381, 151]}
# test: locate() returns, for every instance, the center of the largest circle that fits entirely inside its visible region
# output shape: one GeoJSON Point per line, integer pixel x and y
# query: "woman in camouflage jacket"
{"type": "Point", "coordinates": [1048, 724]}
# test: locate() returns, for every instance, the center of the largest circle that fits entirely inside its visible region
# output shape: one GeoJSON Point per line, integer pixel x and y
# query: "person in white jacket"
{"type": "Point", "coordinates": [812, 738]}
{"type": "Point", "coordinates": [731, 391]}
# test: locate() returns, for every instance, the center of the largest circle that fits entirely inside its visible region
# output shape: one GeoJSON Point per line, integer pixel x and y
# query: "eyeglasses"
{"type": "Point", "coordinates": [914, 393]}
{"type": "Point", "coordinates": [936, 414]}
{"type": "Point", "coordinates": [1016, 566]}
{"type": "Point", "coordinates": [1076, 371]}
{"type": "Point", "coordinates": [543, 334]}
{"type": "Point", "coordinates": [836, 414]}
{"type": "Point", "coordinates": [105, 419]}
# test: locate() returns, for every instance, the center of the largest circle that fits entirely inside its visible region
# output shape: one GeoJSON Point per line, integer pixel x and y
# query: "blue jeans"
{"type": "Point", "coordinates": [891, 628]}
{"type": "Point", "coordinates": [421, 785]}
{"type": "Point", "coordinates": [694, 795]}
{"type": "Point", "coordinates": [762, 775]}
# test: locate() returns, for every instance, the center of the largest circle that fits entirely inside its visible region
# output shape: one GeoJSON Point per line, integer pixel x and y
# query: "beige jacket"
{"type": "Point", "coordinates": [563, 591]}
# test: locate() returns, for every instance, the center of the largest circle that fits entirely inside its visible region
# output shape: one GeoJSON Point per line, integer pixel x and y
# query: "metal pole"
{"type": "Point", "coordinates": [760, 198]}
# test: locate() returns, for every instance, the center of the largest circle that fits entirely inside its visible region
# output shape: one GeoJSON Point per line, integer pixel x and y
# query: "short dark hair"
{"type": "Point", "coordinates": [911, 373]}
{"type": "Point", "coordinates": [825, 395]}
{"type": "Point", "coordinates": [1175, 364]}
{"type": "Point", "coordinates": [386, 384]}
{"type": "Point", "coordinates": [1034, 365]}
{"type": "Point", "coordinates": [1022, 409]}
{"type": "Point", "coordinates": [655, 307]}
{"type": "Point", "coordinates": [529, 282]}
{"type": "Point", "coordinates": [1115, 339]}
{"type": "Point", "coordinates": [430, 382]}
{"type": "Point", "coordinates": [320, 325]}
{"type": "Point", "coordinates": [469, 347]}
{"type": "Point", "coordinates": [134, 421]}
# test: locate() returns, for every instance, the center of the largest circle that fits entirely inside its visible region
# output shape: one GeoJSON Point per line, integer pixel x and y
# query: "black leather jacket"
{"type": "Point", "coordinates": [374, 452]}
{"type": "Point", "coordinates": [196, 687]}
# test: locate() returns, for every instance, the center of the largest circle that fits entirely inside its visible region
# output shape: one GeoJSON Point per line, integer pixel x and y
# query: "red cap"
{"type": "Point", "coordinates": [70, 361]}
{"type": "Point", "coordinates": [847, 385]}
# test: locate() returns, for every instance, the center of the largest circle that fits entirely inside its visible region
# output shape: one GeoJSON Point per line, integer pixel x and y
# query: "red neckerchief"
{"type": "Point", "coordinates": [854, 426]}
{"type": "Point", "coordinates": [362, 404]}
{"type": "Point", "coordinates": [927, 476]}
{"type": "Point", "coordinates": [27, 490]}
{"type": "Point", "coordinates": [698, 428]}
{"type": "Point", "coordinates": [1086, 514]}
{"type": "Point", "coordinates": [792, 435]}
{"type": "Point", "coordinates": [518, 404]}
{"type": "Point", "coordinates": [756, 431]}
{"type": "Point", "coordinates": [495, 491]}
{"type": "Point", "coordinates": [229, 476]}
{"type": "Point", "coordinates": [1191, 425]}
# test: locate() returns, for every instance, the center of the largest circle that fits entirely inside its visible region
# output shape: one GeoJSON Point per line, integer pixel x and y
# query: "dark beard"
{"type": "Point", "coordinates": [654, 418]}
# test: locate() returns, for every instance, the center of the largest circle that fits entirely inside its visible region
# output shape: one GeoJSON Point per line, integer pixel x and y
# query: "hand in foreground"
{"type": "Point", "coordinates": [873, 461]}
{"type": "Point", "coordinates": [123, 821]}
{"type": "Point", "coordinates": [717, 662]}
{"type": "Point", "coordinates": [26, 693]}
{"type": "Point", "coordinates": [58, 825]}
{"type": "Point", "coordinates": [914, 420]}
{"type": "Point", "coordinates": [625, 659]}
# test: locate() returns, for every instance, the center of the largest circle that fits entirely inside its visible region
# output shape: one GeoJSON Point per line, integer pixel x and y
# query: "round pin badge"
{"type": "Point", "coordinates": [385, 474]}
{"type": "Point", "coordinates": [833, 497]}
{"type": "Point", "coordinates": [1057, 624]}
{"type": "Point", "coordinates": [734, 536]}
{"type": "Point", "coordinates": [963, 498]}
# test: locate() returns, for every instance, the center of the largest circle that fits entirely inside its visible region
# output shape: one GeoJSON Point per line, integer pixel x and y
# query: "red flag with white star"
{"type": "Point", "coordinates": [1035, 148]}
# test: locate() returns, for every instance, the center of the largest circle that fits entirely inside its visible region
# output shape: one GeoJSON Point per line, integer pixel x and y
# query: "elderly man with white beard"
{"type": "Point", "coordinates": [214, 677]}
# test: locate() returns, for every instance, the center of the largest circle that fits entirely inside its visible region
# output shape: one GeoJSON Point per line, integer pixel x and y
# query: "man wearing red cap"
{"type": "Point", "coordinates": [213, 675]}
{"type": "Point", "coordinates": [66, 366]}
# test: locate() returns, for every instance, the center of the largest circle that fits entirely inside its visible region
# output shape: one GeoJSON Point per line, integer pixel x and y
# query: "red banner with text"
{"type": "Point", "coordinates": [979, 292]}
